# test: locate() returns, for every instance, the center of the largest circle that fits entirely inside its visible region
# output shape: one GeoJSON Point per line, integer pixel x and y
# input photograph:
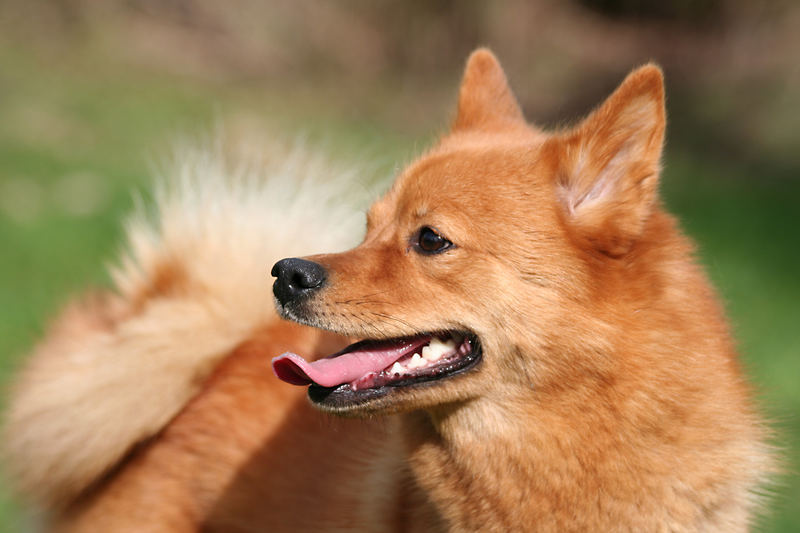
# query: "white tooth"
{"type": "Point", "coordinates": [397, 368]}
{"type": "Point", "coordinates": [438, 348]}
{"type": "Point", "coordinates": [416, 361]}
{"type": "Point", "coordinates": [429, 354]}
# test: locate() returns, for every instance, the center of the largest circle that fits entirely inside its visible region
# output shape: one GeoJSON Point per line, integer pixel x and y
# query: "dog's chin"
{"type": "Point", "coordinates": [400, 393]}
{"type": "Point", "coordinates": [297, 312]}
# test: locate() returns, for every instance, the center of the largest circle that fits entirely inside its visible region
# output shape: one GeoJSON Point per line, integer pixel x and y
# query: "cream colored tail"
{"type": "Point", "coordinates": [194, 282]}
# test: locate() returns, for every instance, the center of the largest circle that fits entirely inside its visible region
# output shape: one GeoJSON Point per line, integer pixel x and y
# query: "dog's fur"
{"type": "Point", "coordinates": [608, 397]}
{"type": "Point", "coordinates": [118, 365]}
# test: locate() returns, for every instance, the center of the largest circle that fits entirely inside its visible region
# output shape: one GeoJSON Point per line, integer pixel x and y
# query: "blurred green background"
{"type": "Point", "coordinates": [93, 93]}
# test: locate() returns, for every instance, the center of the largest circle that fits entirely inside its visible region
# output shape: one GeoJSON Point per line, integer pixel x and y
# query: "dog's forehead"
{"type": "Point", "coordinates": [469, 174]}
{"type": "Point", "coordinates": [448, 168]}
{"type": "Point", "coordinates": [455, 178]}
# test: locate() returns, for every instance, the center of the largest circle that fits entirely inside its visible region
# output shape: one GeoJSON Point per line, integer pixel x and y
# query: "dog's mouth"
{"type": "Point", "coordinates": [372, 368]}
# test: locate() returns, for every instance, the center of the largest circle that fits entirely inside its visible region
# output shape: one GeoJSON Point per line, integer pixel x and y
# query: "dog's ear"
{"type": "Point", "coordinates": [608, 166]}
{"type": "Point", "coordinates": [485, 101]}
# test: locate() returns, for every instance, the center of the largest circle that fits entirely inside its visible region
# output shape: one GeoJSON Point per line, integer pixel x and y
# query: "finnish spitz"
{"type": "Point", "coordinates": [535, 350]}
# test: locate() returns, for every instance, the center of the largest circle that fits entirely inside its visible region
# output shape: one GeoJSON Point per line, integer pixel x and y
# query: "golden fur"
{"type": "Point", "coordinates": [608, 398]}
{"type": "Point", "coordinates": [117, 365]}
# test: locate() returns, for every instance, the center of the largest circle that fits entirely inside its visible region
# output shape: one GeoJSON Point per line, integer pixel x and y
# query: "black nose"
{"type": "Point", "coordinates": [296, 278]}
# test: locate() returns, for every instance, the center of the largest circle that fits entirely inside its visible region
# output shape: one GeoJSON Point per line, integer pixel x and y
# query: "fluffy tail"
{"type": "Point", "coordinates": [116, 366]}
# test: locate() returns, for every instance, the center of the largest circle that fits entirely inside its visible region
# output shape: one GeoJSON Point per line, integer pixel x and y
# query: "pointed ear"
{"type": "Point", "coordinates": [485, 101]}
{"type": "Point", "coordinates": [609, 165]}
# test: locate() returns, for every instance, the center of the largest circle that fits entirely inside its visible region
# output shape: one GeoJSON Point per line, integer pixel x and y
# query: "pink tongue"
{"type": "Point", "coordinates": [356, 361]}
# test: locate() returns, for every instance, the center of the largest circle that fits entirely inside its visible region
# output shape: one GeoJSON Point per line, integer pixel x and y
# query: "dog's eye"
{"type": "Point", "coordinates": [430, 242]}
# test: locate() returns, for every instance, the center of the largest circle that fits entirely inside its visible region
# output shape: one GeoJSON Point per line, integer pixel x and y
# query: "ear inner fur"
{"type": "Point", "coordinates": [609, 164]}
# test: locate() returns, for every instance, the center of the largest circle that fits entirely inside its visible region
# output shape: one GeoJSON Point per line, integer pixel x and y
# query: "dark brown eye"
{"type": "Point", "coordinates": [430, 242]}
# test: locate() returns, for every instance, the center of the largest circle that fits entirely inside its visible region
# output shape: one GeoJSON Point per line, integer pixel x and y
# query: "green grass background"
{"type": "Point", "coordinates": [62, 119]}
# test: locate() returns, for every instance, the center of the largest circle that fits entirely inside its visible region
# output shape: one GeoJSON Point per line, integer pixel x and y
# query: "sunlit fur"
{"type": "Point", "coordinates": [609, 395]}
{"type": "Point", "coordinates": [608, 398]}
{"type": "Point", "coordinates": [192, 284]}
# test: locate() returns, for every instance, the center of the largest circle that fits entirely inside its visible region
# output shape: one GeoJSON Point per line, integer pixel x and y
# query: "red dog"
{"type": "Point", "coordinates": [546, 352]}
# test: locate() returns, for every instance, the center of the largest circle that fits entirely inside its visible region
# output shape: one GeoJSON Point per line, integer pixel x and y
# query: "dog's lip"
{"type": "Point", "coordinates": [371, 364]}
{"type": "Point", "coordinates": [344, 397]}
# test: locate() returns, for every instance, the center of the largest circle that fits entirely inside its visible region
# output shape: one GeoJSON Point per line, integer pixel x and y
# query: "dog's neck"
{"type": "Point", "coordinates": [477, 453]}
{"type": "Point", "coordinates": [515, 465]}
{"type": "Point", "coordinates": [557, 463]}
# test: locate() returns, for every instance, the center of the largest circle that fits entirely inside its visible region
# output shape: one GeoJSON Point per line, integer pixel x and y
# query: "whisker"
{"type": "Point", "coordinates": [389, 317]}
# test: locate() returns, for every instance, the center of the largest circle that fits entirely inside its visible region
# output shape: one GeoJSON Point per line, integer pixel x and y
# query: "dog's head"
{"type": "Point", "coordinates": [483, 268]}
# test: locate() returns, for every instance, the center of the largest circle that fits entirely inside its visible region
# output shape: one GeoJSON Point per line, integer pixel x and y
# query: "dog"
{"type": "Point", "coordinates": [535, 350]}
